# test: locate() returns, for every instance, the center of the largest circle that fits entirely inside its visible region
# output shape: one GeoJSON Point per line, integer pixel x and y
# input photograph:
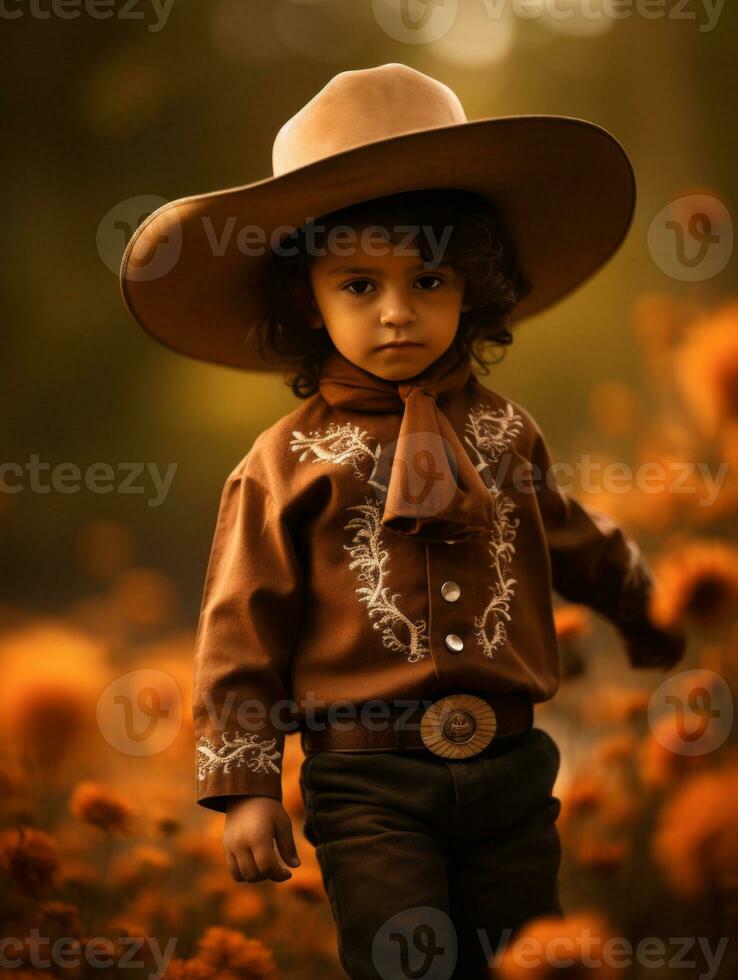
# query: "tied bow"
{"type": "Point", "coordinates": [434, 491]}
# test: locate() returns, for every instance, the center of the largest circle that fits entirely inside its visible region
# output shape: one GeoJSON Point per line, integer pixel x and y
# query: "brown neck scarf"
{"type": "Point", "coordinates": [433, 490]}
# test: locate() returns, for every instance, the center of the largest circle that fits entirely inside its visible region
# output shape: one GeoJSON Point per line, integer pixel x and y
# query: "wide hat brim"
{"type": "Point", "coordinates": [564, 187]}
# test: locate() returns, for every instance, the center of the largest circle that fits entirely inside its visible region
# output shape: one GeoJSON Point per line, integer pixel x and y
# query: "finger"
{"type": "Point", "coordinates": [286, 841]}
{"type": "Point", "coordinates": [233, 867]}
{"type": "Point", "coordinates": [267, 862]}
{"type": "Point", "coordinates": [247, 865]}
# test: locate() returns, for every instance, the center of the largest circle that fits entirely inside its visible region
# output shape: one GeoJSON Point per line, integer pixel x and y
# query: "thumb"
{"type": "Point", "coordinates": [285, 841]}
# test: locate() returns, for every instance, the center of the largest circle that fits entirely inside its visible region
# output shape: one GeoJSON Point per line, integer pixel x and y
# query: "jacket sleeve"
{"type": "Point", "coordinates": [248, 627]}
{"type": "Point", "coordinates": [595, 563]}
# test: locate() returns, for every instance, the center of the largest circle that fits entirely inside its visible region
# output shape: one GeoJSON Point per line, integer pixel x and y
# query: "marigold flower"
{"type": "Point", "coordinates": [30, 860]}
{"type": "Point", "coordinates": [193, 969]}
{"type": "Point", "coordinates": [696, 839]}
{"type": "Point", "coordinates": [660, 759]}
{"type": "Point", "coordinates": [706, 368]}
{"type": "Point", "coordinates": [102, 807]}
{"type": "Point", "coordinates": [697, 580]}
{"type": "Point", "coordinates": [601, 855]}
{"type": "Point", "coordinates": [64, 914]}
{"type": "Point", "coordinates": [549, 947]}
{"type": "Point", "coordinates": [235, 955]}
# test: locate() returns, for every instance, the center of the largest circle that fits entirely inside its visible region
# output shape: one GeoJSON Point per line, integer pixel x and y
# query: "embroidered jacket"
{"type": "Point", "coordinates": [309, 602]}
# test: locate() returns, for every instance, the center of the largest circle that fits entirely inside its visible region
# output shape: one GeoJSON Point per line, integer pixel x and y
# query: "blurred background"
{"type": "Point", "coordinates": [106, 105]}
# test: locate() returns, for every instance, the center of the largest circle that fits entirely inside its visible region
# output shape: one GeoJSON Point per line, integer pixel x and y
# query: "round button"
{"type": "Point", "coordinates": [450, 591]}
{"type": "Point", "coordinates": [454, 642]}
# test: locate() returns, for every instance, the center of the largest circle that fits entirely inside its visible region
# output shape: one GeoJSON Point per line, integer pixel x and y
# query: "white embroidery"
{"type": "Point", "coordinates": [339, 444]}
{"type": "Point", "coordinates": [491, 432]}
{"type": "Point", "coordinates": [343, 445]}
{"type": "Point", "coordinates": [233, 753]}
{"type": "Point", "coordinates": [371, 559]}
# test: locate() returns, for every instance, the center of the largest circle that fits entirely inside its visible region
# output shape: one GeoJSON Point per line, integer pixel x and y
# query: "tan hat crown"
{"type": "Point", "coordinates": [358, 107]}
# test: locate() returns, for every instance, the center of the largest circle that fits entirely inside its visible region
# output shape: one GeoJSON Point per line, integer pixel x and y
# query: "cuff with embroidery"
{"type": "Point", "coordinates": [238, 763]}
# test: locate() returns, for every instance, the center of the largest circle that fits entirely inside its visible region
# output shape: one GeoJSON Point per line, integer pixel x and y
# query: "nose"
{"type": "Point", "coordinates": [397, 311]}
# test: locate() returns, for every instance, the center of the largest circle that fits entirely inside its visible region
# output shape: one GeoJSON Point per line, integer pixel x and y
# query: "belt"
{"type": "Point", "coordinates": [455, 726]}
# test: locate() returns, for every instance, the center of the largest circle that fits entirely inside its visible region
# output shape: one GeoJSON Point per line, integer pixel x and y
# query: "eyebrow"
{"type": "Point", "coordinates": [363, 270]}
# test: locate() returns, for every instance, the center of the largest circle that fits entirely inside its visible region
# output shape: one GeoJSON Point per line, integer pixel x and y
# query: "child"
{"type": "Point", "coordinates": [384, 556]}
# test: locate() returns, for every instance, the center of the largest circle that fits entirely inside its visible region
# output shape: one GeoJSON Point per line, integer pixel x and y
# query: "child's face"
{"type": "Point", "coordinates": [366, 300]}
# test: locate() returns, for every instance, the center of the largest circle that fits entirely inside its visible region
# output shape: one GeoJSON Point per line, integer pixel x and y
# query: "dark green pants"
{"type": "Point", "coordinates": [430, 865]}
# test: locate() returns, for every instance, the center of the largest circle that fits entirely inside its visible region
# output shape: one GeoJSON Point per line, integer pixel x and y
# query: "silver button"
{"type": "Point", "coordinates": [454, 642]}
{"type": "Point", "coordinates": [450, 591]}
{"type": "Point", "coordinates": [449, 542]}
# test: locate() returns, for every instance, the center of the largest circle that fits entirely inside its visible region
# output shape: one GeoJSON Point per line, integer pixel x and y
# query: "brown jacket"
{"type": "Point", "coordinates": [309, 601]}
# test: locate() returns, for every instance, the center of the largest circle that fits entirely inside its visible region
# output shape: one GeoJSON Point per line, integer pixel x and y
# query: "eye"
{"type": "Point", "coordinates": [357, 282]}
{"type": "Point", "coordinates": [425, 278]}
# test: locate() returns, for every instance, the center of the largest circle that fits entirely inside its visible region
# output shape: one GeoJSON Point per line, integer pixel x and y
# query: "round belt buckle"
{"type": "Point", "coordinates": [458, 726]}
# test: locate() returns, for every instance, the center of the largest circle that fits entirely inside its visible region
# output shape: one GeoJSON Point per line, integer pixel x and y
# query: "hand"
{"type": "Point", "coordinates": [650, 646]}
{"type": "Point", "coordinates": [252, 824]}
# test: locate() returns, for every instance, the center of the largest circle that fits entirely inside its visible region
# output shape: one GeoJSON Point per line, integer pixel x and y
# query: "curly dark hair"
{"type": "Point", "coordinates": [479, 248]}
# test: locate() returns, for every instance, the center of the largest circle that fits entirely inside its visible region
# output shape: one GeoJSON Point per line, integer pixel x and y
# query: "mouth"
{"type": "Point", "coordinates": [399, 343]}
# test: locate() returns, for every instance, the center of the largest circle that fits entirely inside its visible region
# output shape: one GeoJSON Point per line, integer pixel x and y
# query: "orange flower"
{"type": "Point", "coordinates": [63, 914]}
{"type": "Point", "coordinates": [601, 855]}
{"type": "Point", "coordinates": [30, 859]}
{"type": "Point", "coordinates": [696, 840]}
{"type": "Point", "coordinates": [44, 665]}
{"type": "Point", "coordinates": [549, 947]}
{"type": "Point", "coordinates": [660, 758]}
{"type": "Point", "coordinates": [571, 622]}
{"type": "Point", "coordinates": [706, 368]}
{"type": "Point", "coordinates": [616, 749]}
{"type": "Point", "coordinates": [102, 807]}
{"type": "Point", "coordinates": [194, 969]}
{"type": "Point", "coordinates": [697, 580]}
{"type": "Point", "coordinates": [234, 955]}
{"type": "Point", "coordinates": [615, 704]}
{"type": "Point", "coordinates": [47, 718]}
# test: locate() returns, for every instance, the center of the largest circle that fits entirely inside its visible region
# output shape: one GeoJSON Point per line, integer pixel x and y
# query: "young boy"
{"type": "Point", "coordinates": [384, 556]}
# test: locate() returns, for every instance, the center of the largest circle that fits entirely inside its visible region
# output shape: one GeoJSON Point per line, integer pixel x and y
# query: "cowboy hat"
{"type": "Point", "coordinates": [191, 274]}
